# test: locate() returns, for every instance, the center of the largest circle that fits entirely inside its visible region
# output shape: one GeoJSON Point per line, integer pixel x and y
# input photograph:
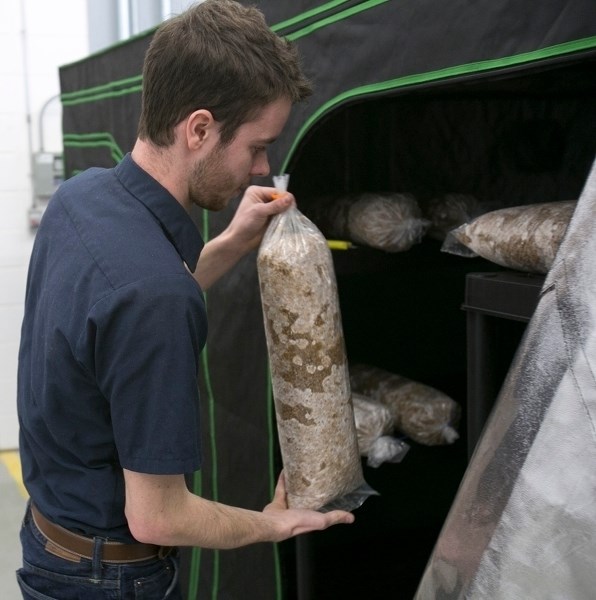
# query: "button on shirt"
{"type": "Point", "coordinates": [108, 364]}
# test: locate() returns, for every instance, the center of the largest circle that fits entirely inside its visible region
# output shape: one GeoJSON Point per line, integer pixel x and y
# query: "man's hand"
{"type": "Point", "coordinates": [300, 520]}
{"type": "Point", "coordinates": [253, 214]}
{"type": "Point", "coordinates": [243, 234]}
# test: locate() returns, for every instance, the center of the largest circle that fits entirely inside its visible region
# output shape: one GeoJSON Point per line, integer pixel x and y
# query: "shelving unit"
{"type": "Point", "coordinates": [498, 306]}
{"type": "Point", "coordinates": [451, 322]}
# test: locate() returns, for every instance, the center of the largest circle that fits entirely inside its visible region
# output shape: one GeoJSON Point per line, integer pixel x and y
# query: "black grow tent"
{"type": "Point", "coordinates": [495, 99]}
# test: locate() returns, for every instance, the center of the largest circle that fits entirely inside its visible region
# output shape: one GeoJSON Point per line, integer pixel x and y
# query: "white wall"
{"type": "Point", "coordinates": [36, 37]}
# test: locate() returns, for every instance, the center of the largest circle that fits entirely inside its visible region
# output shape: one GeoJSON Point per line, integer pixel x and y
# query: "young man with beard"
{"type": "Point", "coordinates": [115, 319]}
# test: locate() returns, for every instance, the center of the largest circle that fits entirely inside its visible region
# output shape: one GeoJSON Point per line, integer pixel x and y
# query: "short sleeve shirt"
{"type": "Point", "coordinates": [108, 364]}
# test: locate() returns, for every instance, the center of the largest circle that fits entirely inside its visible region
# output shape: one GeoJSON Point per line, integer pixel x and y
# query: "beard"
{"type": "Point", "coordinates": [211, 185]}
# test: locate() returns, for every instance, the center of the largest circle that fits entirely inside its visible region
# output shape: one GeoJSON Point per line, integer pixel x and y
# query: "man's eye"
{"type": "Point", "coordinates": [258, 149]}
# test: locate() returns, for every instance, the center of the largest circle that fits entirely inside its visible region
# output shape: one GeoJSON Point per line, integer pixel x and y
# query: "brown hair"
{"type": "Point", "coordinates": [221, 56]}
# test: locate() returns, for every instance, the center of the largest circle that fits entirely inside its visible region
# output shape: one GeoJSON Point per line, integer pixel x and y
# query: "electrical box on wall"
{"type": "Point", "coordinates": [48, 174]}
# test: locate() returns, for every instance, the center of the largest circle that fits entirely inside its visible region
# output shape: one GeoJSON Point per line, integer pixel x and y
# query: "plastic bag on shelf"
{"type": "Point", "coordinates": [524, 238]}
{"type": "Point", "coordinates": [392, 222]}
{"type": "Point", "coordinates": [309, 371]}
{"type": "Point", "coordinates": [447, 212]}
{"type": "Point", "coordinates": [421, 412]}
{"type": "Point", "coordinates": [374, 426]}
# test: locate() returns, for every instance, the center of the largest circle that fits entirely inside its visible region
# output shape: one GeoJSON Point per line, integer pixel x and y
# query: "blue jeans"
{"type": "Point", "coordinates": [45, 576]}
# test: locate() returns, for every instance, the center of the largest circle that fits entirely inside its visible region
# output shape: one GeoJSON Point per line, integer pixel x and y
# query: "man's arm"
{"type": "Point", "coordinates": [243, 234]}
{"type": "Point", "coordinates": [160, 510]}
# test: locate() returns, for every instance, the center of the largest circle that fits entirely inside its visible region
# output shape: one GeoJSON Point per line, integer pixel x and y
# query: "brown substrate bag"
{"type": "Point", "coordinates": [524, 238]}
{"type": "Point", "coordinates": [309, 372]}
{"type": "Point", "coordinates": [421, 412]}
{"type": "Point", "coordinates": [386, 221]}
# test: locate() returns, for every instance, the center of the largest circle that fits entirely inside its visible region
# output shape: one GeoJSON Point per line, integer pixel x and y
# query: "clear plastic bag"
{"type": "Point", "coordinates": [391, 222]}
{"type": "Point", "coordinates": [309, 369]}
{"type": "Point", "coordinates": [421, 412]}
{"type": "Point", "coordinates": [524, 238]}
{"type": "Point", "coordinates": [374, 426]}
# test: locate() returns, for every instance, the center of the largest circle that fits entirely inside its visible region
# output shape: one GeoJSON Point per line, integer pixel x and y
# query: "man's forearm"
{"type": "Point", "coordinates": [208, 524]}
{"type": "Point", "coordinates": [160, 510]}
{"type": "Point", "coordinates": [218, 256]}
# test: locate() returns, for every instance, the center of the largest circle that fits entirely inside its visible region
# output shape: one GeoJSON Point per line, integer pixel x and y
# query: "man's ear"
{"type": "Point", "coordinates": [200, 126]}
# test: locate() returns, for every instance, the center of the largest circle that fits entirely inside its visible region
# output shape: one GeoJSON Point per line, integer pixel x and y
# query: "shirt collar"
{"type": "Point", "coordinates": [175, 221]}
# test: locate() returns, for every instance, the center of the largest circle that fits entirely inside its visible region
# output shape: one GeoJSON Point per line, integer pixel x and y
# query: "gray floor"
{"type": "Point", "coordinates": [12, 507]}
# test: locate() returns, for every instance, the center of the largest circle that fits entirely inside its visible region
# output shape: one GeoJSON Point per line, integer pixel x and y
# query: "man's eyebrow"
{"type": "Point", "coordinates": [268, 140]}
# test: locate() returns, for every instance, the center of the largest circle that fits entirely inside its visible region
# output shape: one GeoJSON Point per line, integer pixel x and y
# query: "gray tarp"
{"type": "Point", "coordinates": [523, 523]}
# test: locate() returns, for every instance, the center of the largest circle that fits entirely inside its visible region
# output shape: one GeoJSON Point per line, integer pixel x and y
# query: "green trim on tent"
{"type": "Point", "coordinates": [213, 441]}
{"type": "Point", "coordinates": [313, 12]}
{"type": "Point", "coordinates": [195, 560]}
{"type": "Point", "coordinates": [331, 19]}
{"type": "Point", "coordinates": [271, 437]}
{"type": "Point", "coordinates": [433, 76]}
{"type": "Point", "coordinates": [94, 140]}
{"type": "Point", "coordinates": [195, 555]}
{"type": "Point", "coordinates": [129, 85]}
{"type": "Point", "coordinates": [270, 432]}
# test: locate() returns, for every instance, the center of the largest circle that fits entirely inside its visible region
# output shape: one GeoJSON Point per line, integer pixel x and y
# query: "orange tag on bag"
{"type": "Point", "coordinates": [281, 183]}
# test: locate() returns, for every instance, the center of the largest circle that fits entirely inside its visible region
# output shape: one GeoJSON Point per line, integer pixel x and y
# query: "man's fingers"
{"type": "Point", "coordinates": [340, 516]}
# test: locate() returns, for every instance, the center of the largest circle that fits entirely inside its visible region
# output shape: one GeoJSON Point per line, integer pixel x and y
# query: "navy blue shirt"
{"type": "Point", "coordinates": [108, 364]}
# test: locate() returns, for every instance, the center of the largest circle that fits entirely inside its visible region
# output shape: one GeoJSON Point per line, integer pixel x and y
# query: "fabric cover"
{"type": "Point", "coordinates": [522, 523]}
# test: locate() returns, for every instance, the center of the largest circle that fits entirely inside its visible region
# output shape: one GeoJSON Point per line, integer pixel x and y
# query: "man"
{"type": "Point", "coordinates": [115, 320]}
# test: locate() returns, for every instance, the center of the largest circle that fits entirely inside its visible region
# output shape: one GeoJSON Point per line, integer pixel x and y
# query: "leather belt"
{"type": "Point", "coordinates": [73, 546]}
